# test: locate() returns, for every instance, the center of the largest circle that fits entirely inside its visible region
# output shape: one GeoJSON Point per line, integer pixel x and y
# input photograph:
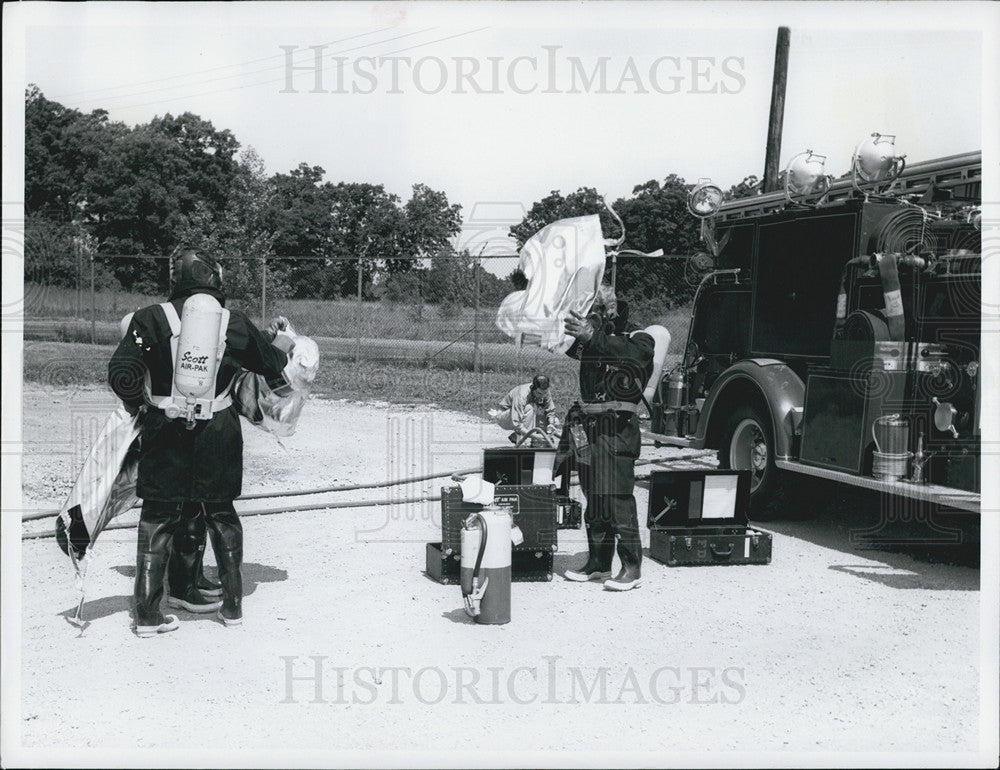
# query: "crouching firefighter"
{"type": "Point", "coordinates": [177, 361]}
{"type": "Point", "coordinates": [603, 434]}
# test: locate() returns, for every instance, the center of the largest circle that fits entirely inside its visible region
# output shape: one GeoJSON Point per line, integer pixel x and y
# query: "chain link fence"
{"type": "Point", "coordinates": [423, 334]}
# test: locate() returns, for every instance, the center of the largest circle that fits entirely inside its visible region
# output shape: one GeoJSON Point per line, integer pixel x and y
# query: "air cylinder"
{"type": "Point", "coordinates": [197, 360]}
{"type": "Point", "coordinates": [675, 389]}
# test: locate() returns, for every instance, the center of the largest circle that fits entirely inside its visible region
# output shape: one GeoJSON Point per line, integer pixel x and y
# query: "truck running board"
{"type": "Point", "coordinates": [934, 493]}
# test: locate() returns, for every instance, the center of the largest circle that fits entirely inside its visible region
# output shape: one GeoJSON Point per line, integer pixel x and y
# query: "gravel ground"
{"type": "Point", "coordinates": [829, 648]}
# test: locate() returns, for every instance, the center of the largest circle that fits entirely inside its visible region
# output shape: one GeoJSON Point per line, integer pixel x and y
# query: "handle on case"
{"type": "Point", "coordinates": [716, 552]}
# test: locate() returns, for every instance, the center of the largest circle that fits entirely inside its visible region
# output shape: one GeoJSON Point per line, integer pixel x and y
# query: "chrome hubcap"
{"type": "Point", "coordinates": [748, 451]}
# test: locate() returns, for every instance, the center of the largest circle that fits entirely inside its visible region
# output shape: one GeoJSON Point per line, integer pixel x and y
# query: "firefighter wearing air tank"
{"type": "Point", "coordinates": [177, 362]}
{"type": "Point", "coordinates": [604, 434]}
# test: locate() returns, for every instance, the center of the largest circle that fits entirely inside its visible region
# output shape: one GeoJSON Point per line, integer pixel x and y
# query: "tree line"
{"type": "Point", "coordinates": [98, 187]}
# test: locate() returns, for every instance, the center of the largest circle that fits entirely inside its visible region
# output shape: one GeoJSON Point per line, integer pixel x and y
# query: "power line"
{"type": "Point", "coordinates": [439, 40]}
{"type": "Point", "coordinates": [281, 80]}
{"type": "Point", "coordinates": [203, 71]}
{"type": "Point", "coordinates": [244, 74]}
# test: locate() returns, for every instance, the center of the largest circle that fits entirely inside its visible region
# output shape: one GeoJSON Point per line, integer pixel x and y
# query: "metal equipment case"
{"type": "Point", "coordinates": [517, 466]}
{"type": "Point", "coordinates": [699, 518]}
{"type": "Point", "coordinates": [534, 510]}
{"type": "Point", "coordinates": [526, 566]}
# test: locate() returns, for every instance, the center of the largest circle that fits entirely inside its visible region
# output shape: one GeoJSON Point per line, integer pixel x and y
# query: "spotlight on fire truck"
{"type": "Point", "coordinates": [804, 176]}
{"type": "Point", "coordinates": [704, 199]}
{"type": "Point", "coordinates": [875, 162]}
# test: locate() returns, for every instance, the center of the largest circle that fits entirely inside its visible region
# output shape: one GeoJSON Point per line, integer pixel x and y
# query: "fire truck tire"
{"type": "Point", "coordinates": [747, 443]}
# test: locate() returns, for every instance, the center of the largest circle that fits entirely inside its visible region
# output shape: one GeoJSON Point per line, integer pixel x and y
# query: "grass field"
{"type": "Point", "coordinates": [406, 353]}
{"type": "Point", "coordinates": [451, 383]}
{"type": "Point", "coordinates": [68, 317]}
{"type": "Point", "coordinates": [314, 317]}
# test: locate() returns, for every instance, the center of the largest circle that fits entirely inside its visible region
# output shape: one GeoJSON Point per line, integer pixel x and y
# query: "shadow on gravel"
{"type": "Point", "coordinates": [564, 561]}
{"type": "Point", "coordinates": [913, 541]}
{"type": "Point", "coordinates": [97, 609]}
{"type": "Point", "coordinates": [458, 616]}
{"type": "Point", "coordinates": [253, 576]}
{"type": "Point", "coordinates": [957, 580]}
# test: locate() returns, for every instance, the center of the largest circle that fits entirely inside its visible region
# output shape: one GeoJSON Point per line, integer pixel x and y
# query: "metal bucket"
{"type": "Point", "coordinates": [891, 460]}
{"type": "Point", "coordinates": [891, 467]}
{"type": "Point", "coordinates": [891, 434]}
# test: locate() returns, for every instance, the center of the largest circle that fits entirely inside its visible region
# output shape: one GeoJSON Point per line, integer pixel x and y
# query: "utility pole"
{"type": "Point", "coordinates": [773, 153]}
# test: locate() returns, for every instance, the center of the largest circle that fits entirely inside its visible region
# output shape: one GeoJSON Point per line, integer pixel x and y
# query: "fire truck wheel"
{"type": "Point", "coordinates": [748, 444]}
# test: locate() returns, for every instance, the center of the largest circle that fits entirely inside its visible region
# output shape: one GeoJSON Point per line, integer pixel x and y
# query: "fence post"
{"type": "Point", "coordinates": [79, 278]}
{"type": "Point", "coordinates": [357, 356]}
{"type": "Point", "coordinates": [93, 305]}
{"type": "Point", "coordinates": [263, 291]}
{"type": "Point", "coordinates": [475, 318]}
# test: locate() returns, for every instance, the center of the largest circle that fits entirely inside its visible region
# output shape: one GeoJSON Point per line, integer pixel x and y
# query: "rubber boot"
{"type": "Point", "coordinates": [149, 621]}
{"type": "Point", "coordinates": [182, 571]}
{"type": "Point", "coordinates": [231, 611]}
{"type": "Point", "coordinates": [184, 564]}
{"type": "Point", "coordinates": [226, 531]}
{"type": "Point", "coordinates": [628, 578]}
{"type": "Point", "coordinates": [190, 537]}
{"type": "Point", "coordinates": [203, 583]}
{"type": "Point", "coordinates": [598, 565]}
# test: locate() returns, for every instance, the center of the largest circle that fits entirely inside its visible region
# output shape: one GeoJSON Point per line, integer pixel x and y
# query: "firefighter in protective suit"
{"type": "Point", "coordinates": [614, 370]}
{"type": "Point", "coordinates": [190, 470]}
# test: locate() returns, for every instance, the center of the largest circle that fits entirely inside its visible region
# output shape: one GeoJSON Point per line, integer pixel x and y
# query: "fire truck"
{"type": "Point", "coordinates": [835, 333]}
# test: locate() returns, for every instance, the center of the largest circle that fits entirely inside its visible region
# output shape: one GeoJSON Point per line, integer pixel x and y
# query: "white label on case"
{"type": "Point", "coordinates": [746, 548]}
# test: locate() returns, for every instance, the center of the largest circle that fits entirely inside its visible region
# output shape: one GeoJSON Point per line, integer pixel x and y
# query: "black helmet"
{"type": "Point", "coordinates": [188, 266]}
{"type": "Point", "coordinates": [540, 382]}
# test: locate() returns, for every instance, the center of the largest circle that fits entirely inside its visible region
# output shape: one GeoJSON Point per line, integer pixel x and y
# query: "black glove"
{"type": "Point", "coordinates": [279, 324]}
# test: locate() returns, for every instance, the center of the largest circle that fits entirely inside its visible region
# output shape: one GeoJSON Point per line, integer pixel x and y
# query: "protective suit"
{"type": "Point", "coordinates": [614, 370]}
{"type": "Point", "coordinates": [187, 478]}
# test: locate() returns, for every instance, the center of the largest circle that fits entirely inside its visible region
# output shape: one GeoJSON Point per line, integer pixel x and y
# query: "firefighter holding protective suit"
{"type": "Point", "coordinates": [177, 361]}
{"type": "Point", "coordinates": [603, 431]}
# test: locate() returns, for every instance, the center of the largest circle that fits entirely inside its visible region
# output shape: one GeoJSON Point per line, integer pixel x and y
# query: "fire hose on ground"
{"type": "Point", "coordinates": [345, 488]}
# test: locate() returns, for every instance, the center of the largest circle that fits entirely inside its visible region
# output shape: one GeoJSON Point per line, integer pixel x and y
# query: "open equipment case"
{"type": "Point", "coordinates": [699, 517]}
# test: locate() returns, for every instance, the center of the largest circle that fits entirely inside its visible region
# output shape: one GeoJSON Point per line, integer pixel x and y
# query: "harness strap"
{"type": "Point", "coordinates": [208, 406]}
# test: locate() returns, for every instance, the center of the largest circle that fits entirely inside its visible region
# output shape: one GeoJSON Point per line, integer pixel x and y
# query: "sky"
{"type": "Point", "coordinates": [497, 104]}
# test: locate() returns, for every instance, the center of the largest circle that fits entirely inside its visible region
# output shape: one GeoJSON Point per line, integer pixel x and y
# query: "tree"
{"type": "Point", "coordinates": [750, 186]}
{"type": "Point", "coordinates": [61, 147]}
{"type": "Point", "coordinates": [368, 227]}
{"type": "Point", "coordinates": [656, 217]}
{"type": "Point", "coordinates": [302, 216]}
{"type": "Point", "coordinates": [430, 224]}
{"type": "Point", "coordinates": [242, 236]}
{"type": "Point", "coordinates": [555, 206]}
{"type": "Point", "coordinates": [141, 191]}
